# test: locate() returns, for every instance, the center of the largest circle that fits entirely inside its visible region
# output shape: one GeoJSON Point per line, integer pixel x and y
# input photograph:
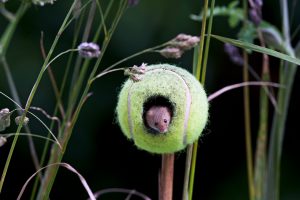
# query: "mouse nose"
{"type": "Point", "coordinates": [162, 129]}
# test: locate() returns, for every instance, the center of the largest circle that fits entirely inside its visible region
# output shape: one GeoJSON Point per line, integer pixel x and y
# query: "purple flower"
{"type": "Point", "coordinates": [177, 46]}
{"type": "Point", "coordinates": [184, 42]}
{"type": "Point", "coordinates": [19, 119]}
{"type": "Point", "coordinates": [234, 54]}
{"type": "Point", "coordinates": [255, 12]}
{"type": "Point", "coordinates": [171, 52]}
{"type": "Point", "coordinates": [136, 72]}
{"type": "Point", "coordinates": [255, 16]}
{"type": "Point", "coordinates": [43, 2]}
{"type": "Point", "coordinates": [89, 50]}
{"type": "Point", "coordinates": [2, 141]}
{"type": "Point", "coordinates": [4, 119]}
{"type": "Point", "coordinates": [133, 2]}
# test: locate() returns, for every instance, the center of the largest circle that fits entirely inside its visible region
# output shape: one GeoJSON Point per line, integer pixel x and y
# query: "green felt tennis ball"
{"type": "Point", "coordinates": [170, 86]}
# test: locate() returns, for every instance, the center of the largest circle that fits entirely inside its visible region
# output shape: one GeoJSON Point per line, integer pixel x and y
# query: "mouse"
{"type": "Point", "coordinates": [158, 118]}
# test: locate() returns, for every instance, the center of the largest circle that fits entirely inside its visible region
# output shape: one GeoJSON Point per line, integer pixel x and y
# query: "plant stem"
{"type": "Point", "coordinates": [9, 31]}
{"type": "Point", "coordinates": [31, 96]}
{"type": "Point", "coordinates": [193, 169]}
{"type": "Point", "coordinates": [166, 177]}
{"type": "Point", "coordinates": [207, 43]}
{"type": "Point", "coordinates": [67, 127]}
{"type": "Point", "coordinates": [185, 194]}
{"type": "Point", "coordinates": [52, 79]}
{"type": "Point", "coordinates": [247, 120]}
{"type": "Point", "coordinates": [61, 91]}
{"type": "Point", "coordinates": [261, 141]}
{"type": "Point", "coordinates": [203, 27]}
{"type": "Point", "coordinates": [16, 97]}
{"type": "Point", "coordinates": [85, 37]}
{"type": "Point", "coordinates": [152, 49]}
{"type": "Point", "coordinates": [287, 77]}
{"type": "Point", "coordinates": [201, 68]}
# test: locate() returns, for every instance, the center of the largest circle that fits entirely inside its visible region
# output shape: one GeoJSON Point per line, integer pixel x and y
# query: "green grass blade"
{"type": "Point", "coordinates": [256, 48]}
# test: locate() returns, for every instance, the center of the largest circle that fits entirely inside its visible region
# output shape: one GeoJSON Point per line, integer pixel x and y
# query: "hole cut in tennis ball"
{"type": "Point", "coordinates": [170, 86]}
{"type": "Point", "coordinates": [156, 100]}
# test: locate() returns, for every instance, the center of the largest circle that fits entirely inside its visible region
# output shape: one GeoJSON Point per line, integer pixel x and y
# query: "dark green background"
{"type": "Point", "coordinates": [98, 149]}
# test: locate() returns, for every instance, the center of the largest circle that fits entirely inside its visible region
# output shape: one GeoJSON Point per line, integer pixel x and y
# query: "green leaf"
{"type": "Point", "coordinates": [272, 36]}
{"type": "Point", "coordinates": [248, 33]}
{"type": "Point", "coordinates": [234, 13]}
{"type": "Point", "coordinates": [256, 48]}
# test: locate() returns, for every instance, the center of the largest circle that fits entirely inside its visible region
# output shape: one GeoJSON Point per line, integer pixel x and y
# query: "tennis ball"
{"type": "Point", "coordinates": [163, 85]}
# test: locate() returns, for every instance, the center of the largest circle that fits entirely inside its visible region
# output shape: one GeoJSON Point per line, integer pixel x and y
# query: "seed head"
{"type": "Point", "coordinates": [4, 119]}
{"type": "Point", "coordinates": [42, 2]}
{"type": "Point", "coordinates": [2, 141]}
{"type": "Point", "coordinates": [171, 52]}
{"type": "Point", "coordinates": [89, 50]}
{"type": "Point", "coordinates": [18, 120]}
{"type": "Point", "coordinates": [132, 2]}
{"type": "Point", "coordinates": [255, 16]}
{"type": "Point", "coordinates": [233, 54]}
{"type": "Point", "coordinates": [184, 42]}
{"type": "Point", "coordinates": [136, 72]}
{"type": "Point", "coordinates": [255, 12]}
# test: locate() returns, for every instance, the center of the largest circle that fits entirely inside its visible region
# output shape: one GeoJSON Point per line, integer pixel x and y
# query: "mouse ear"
{"type": "Point", "coordinates": [170, 86]}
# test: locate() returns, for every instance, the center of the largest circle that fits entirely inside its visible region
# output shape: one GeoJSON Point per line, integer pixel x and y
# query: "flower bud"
{"type": "Point", "coordinates": [42, 2]}
{"type": "Point", "coordinates": [136, 72]}
{"type": "Point", "coordinates": [19, 118]}
{"type": "Point", "coordinates": [132, 2]}
{"type": "Point", "coordinates": [171, 52]}
{"type": "Point", "coordinates": [233, 54]}
{"type": "Point", "coordinates": [184, 42]}
{"type": "Point", "coordinates": [4, 119]}
{"type": "Point", "coordinates": [89, 50]}
{"type": "Point", "coordinates": [3, 140]}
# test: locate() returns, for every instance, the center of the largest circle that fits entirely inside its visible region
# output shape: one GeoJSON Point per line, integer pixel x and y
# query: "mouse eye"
{"type": "Point", "coordinates": [165, 121]}
{"type": "Point", "coordinates": [155, 123]}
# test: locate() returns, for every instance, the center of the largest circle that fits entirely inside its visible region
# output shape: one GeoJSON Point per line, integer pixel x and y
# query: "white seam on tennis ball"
{"type": "Point", "coordinates": [130, 124]}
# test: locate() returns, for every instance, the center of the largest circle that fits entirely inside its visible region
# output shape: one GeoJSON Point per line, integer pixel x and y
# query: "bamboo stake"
{"type": "Point", "coordinates": [166, 177]}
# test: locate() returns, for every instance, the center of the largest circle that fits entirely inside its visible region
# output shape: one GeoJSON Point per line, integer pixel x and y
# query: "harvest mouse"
{"type": "Point", "coordinates": [158, 118]}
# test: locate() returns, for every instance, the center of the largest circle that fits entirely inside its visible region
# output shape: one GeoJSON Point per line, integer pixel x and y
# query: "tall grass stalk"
{"type": "Point", "coordinates": [247, 122]}
{"type": "Point", "coordinates": [71, 117]}
{"type": "Point", "coordinates": [31, 96]}
{"type": "Point", "coordinates": [287, 76]}
{"type": "Point", "coordinates": [262, 136]}
{"type": "Point", "coordinates": [200, 75]}
{"type": "Point", "coordinates": [78, 24]}
{"type": "Point", "coordinates": [16, 97]}
{"type": "Point", "coordinates": [5, 41]}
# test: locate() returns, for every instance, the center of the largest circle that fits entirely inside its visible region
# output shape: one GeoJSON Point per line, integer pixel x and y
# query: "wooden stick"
{"type": "Point", "coordinates": [166, 177]}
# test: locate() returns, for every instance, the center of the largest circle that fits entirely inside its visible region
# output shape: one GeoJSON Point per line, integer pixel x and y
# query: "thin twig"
{"type": "Point", "coordinates": [120, 190]}
{"type": "Point", "coordinates": [185, 194]}
{"type": "Point", "coordinates": [247, 114]}
{"type": "Point", "coordinates": [261, 141]}
{"type": "Point", "coordinates": [52, 78]}
{"type": "Point", "coordinates": [243, 84]}
{"type": "Point", "coordinates": [17, 101]}
{"type": "Point", "coordinates": [54, 118]}
{"type": "Point", "coordinates": [85, 37]}
{"type": "Point", "coordinates": [67, 166]}
{"type": "Point", "coordinates": [31, 96]}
